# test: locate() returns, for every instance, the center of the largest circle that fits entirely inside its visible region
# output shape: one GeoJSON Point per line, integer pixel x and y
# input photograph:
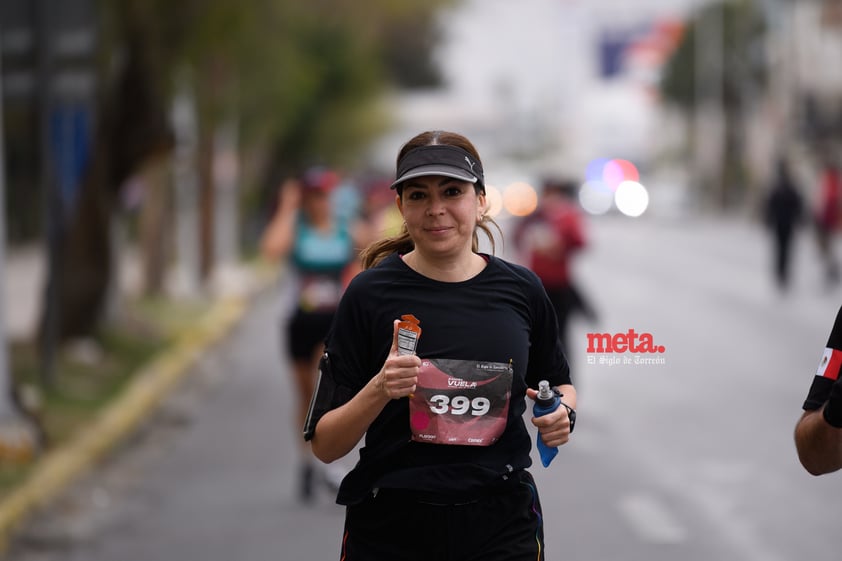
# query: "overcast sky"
{"type": "Point", "coordinates": [536, 61]}
{"type": "Point", "coordinates": [535, 47]}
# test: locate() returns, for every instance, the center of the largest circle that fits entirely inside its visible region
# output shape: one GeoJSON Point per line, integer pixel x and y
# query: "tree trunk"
{"type": "Point", "coordinates": [207, 202]}
{"type": "Point", "coordinates": [155, 226]}
{"type": "Point", "coordinates": [131, 127]}
{"type": "Point", "coordinates": [85, 268]}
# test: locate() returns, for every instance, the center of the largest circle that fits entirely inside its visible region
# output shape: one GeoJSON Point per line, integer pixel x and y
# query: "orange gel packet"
{"type": "Point", "coordinates": [409, 331]}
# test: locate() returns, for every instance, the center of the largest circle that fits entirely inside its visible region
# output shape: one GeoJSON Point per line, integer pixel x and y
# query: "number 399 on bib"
{"type": "Point", "coordinates": [460, 402]}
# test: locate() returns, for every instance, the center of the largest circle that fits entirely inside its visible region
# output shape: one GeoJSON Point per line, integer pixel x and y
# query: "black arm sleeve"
{"type": "Point", "coordinates": [327, 395]}
{"type": "Point", "coordinates": [822, 384]}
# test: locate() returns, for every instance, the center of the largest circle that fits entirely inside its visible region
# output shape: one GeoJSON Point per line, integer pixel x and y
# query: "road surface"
{"type": "Point", "coordinates": [689, 457]}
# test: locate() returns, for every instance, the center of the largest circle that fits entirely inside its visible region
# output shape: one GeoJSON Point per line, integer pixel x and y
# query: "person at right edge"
{"type": "Point", "coordinates": [818, 433]}
{"type": "Point", "coordinates": [443, 472]}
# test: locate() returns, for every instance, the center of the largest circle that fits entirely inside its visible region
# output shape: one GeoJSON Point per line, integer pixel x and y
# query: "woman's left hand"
{"type": "Point", "coordinates": [554, 427]}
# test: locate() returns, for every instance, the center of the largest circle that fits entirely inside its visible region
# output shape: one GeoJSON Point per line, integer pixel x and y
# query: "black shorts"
{"type": "Point", "coordinates": [398, 525]}
{"type": "Point", "coordinates": [305, 331]}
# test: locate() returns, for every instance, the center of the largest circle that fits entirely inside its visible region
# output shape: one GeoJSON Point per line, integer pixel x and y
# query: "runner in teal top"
{"type": "Point", "coordinates": [321, 252]}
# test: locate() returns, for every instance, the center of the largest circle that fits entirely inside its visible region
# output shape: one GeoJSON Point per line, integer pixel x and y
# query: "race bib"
{"type": "Point", "coordinates": [319, 293]}
{"type": "Point", "coordinates": [460, 402]}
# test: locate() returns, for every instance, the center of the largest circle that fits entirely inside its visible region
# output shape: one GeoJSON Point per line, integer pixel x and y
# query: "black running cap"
{"type": "Point", "coordinates": [439, 159]}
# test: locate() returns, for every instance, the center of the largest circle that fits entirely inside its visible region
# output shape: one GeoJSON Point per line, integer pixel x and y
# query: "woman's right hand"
{"type": "Point", "coordinates": [399, 374]}
{"type": "Point", "coordinates": [289, 195]}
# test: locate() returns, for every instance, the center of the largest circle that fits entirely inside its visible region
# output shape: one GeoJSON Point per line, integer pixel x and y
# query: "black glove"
{"type": "Point", "coordinates": [833, 408]}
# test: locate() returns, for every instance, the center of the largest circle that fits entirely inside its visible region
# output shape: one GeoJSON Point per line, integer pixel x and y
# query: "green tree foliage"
{"type": "Point", "coordinates": [743, 32]}
{"type": "Point", "coordinates": [301, 79]}
{"type": "Point", "coordinates": [678, 81]}
{"type": "Point", "coordinates": [743, 79]}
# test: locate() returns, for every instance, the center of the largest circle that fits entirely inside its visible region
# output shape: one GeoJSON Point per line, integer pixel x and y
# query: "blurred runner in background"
{"type": "Point", "coordinates": [549, 238]}
{"type": "Point", "coordinates": [380, 215]}
{"type": "Point", "coordinates": [827, 218]}
{"type": "Point", "coordinates": [783, 213]}
{"type": "Point", "coordinates": [320, 248]}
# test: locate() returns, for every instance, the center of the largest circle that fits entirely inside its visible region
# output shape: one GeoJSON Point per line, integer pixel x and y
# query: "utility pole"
{"type": "Point", "coordinates": [17, 440]}
{"type": "Point", "coordinates": [186, 186]}
{"type": "Point", "coordinates": [5, 380]}
{"type": "Point", "coordinates": [709, 115]}
{"type": "Point", "coordinates": [48, 339]}
{"type": "Point", "coordinates": [226, 227]}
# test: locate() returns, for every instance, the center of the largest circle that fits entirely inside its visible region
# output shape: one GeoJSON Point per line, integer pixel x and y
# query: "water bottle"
{"type": "Point", "coordinates": [545, 402]}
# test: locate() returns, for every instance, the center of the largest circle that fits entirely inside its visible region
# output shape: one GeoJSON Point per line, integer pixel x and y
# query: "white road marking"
{"type": "Point", "coordinates": [651, 520]}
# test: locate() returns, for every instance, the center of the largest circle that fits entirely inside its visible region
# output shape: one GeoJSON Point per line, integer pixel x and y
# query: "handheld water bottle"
{"type": "Point", "coordinates": [545, 402]}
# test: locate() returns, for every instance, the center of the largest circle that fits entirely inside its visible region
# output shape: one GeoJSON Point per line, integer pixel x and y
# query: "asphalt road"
{"type": "Point", "coordinates": [688, 457]}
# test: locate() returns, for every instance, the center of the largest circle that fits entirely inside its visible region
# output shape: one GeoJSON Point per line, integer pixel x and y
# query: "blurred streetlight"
{"type": "Point", "coordinates": [494, 199]}
{"type": "Point", "coordinates": [520, 199]}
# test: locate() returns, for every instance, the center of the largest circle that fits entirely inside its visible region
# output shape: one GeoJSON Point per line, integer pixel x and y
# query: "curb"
{"type": "Point", "coordinates": [57, 469]}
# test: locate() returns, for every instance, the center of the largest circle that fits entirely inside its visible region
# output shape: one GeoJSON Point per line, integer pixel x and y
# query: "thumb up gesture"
{"type": "Point", "coordinates": [399, 374]}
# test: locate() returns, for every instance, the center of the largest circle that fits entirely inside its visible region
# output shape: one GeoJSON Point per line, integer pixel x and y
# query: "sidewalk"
{"type": "Point", "coordinates": [24, 277]}
{"type": "Point", "coordinates": [25, 272]}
